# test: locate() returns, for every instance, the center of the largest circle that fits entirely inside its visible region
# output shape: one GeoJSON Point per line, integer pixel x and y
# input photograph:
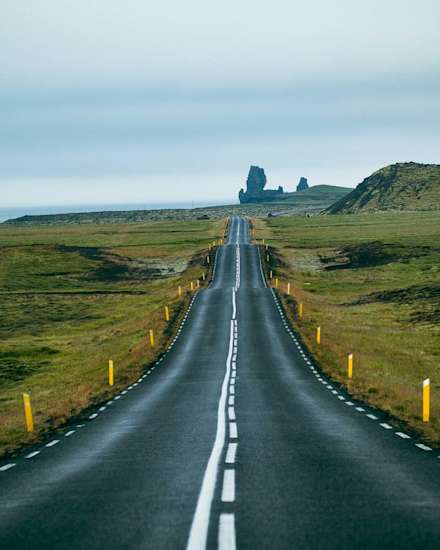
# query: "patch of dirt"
{"type": "Point", "coordinates": [426, 297]}
{"type": "Point", "coordinates": [113, 267]}
{"type": "Point", "coordinates": [371, 254]}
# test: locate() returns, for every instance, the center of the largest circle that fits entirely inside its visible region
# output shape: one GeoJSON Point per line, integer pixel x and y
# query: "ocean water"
{"type": "Point", "coordinates": [10, 213]}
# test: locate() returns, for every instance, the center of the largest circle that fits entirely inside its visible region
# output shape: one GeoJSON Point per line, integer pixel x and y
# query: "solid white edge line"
{"type": "Point", "coordinates": [200, 524]}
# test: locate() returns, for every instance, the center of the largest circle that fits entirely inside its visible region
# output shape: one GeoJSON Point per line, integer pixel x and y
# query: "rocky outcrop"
{"type": "Point", "coordinates": [255, 191]}
{"type": "Point", "coordinates": [302, 185]}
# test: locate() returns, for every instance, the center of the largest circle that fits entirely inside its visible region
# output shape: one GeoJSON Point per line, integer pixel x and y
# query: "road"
{"type": "Point", "coordinates": [233, 440]}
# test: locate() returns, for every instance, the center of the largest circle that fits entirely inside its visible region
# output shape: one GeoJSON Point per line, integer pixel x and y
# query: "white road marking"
{"type": "Point", "coordinates": [403, 436]}
{"type": "Point", "coordinates": [92, 416]}
{"type": "Point", "coordinates": [234, 305]}
{"type": "Point", "coordinates": [228, 491]}
{"type": "Point", "coordinates": [199, 527]}
{"type": "Point", "coordinates": [386, 426]}
{"type": "Point", "coordinates": [231, 413]}
{"type": "Point", "coordinates": [31, 455]}
{"type": "Point", "coordinates": [372, 416]}
{"type": "Point", "coordinates": [360, 409]}
{"type": "Point", "coordinates": [349, 403]}
{"type": "Point", "coordinates": [226, 532]}
{"type": "Point", "coordinates": [232, 390]}
{"type": "Point", "coordinates": [7, 467]}
{"type": "Point", "coordinates": [233, 432]}
{"type": "Point", "coordinates": [101, 409]}
{"type": "Point", "coordinates": [423, 447]}
{"type": "Point", "coordinates": [231, 452]}
{"type": "Point", "coordinates": [231, 400]}
{"type": "Point", "coordinates": [69, 433]}
{"type": "Point", "coordinates": [52, 443]}
{"type": "Point", "coordinates": [233, 374]}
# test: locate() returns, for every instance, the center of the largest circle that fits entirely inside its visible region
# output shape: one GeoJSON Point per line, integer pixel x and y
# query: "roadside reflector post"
{"type": "Point", "coordinates": [300, 310]}
{"type": "Point", "coordinates": [263, 241]}
{"type": "Point", "coordinates": [192, 285]}
{"type": "Point", "coordinates": [207, 260]}
{"type": "Point", "coordinates": [111, 373]}
{"type": "Point", "coordinates": [167, 313]}
{"type": "Point", "coordinates": [267, 247]}
{"type": "Point", "coordinates": [267, 258]}
{"type": "Point", "coordinates": [270, 274]}
{"type": "Point", "coordinates": [288, 288]}
{"type": "Point", "coordinates": [276, 282]}
{"type": "Point", "coordinates": [179, 291]}
{"type": "Point", "coordinates": [28, 412]}
{"type": "Point", "coordinates": [198, 283]}
{"type": "Point", "coordinates": [203, 276]}
{"type": "Point", "coordinates": [350, 365]}
{"type": "Point", "coordinates": [426, 399]}
{"type": "Point", "coordinates": [318, 335]}
{"type": "Point", "coordinates": [152, 338]}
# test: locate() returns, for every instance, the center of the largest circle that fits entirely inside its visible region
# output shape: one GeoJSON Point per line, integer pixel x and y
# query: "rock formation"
{"type": "Point", "coordinates": [302, 185]}
{"type": "Point", "coordinates": [255, 191]}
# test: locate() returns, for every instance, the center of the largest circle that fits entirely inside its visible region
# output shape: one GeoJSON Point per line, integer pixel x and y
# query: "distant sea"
{"type": "Point", "coordinates": [9, 213]}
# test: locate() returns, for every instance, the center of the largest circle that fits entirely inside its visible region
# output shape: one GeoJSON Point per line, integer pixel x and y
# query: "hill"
{"type": "Point", "coordinates": [401, 186]}
{"type": "Point", "coordinates": [316, 196]}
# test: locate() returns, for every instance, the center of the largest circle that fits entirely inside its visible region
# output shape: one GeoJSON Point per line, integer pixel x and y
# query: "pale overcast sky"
{"type": "Point", "coordinates": [107, 101]}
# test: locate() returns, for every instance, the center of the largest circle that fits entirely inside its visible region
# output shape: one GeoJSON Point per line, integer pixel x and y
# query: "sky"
{"type": "Point", "coordinates": [107, 101]}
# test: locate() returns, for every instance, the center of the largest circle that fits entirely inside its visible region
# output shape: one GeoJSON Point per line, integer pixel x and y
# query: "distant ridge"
{"type": "Point", "coordinates": [400, 186]}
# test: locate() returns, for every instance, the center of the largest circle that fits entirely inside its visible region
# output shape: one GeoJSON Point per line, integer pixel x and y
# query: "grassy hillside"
{"type": "Point", "coordinates": [318, 196]}
{"type": "Point", "coordinates": [404, 186]}
{"type": "Point", "coordinates": [372, 282]}
{"type": "Point", "coordinates": [72, 297]}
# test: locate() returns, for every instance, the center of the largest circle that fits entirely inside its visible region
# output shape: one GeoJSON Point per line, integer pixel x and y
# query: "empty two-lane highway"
{"type": "Point", "coordinates": [233, 440]}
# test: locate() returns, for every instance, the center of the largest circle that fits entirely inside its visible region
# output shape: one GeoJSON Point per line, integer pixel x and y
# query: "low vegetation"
{"type": "Point", "coordinates": [75, 296]}
{"type": "Point", "coordinates": [400, 186]}
{"type": "Point", "coordinates": [372, 283]}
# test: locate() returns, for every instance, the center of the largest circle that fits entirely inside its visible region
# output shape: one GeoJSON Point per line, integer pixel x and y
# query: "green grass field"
{"type": "Point", "coordinates": [372, 282]}
{"type": "Point", "coordinates": [72, 297]}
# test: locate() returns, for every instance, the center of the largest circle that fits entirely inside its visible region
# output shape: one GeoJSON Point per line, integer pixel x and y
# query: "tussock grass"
{"type": "Point", "coordinates": [73, 297]}
{"type": "Point", "coordinates": [372, 283]}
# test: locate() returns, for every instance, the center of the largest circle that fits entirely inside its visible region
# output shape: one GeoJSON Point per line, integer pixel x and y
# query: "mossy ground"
{"type": "Point", "coordinates": [73, 297]}
{"type": "Point", "coordinates": [372, 283]}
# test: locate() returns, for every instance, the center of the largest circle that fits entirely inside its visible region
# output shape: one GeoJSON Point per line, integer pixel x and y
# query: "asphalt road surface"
{"type": "Point", "coordinates": [233, 440]}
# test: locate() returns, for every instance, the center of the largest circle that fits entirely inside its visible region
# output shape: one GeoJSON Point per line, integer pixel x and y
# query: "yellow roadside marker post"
{"type": "Point", "coordinates": [276, 282]}
{"type": "Point", "coordinates": [288, 289]}
{"type": "Point", "coordinates": [198, 283]}
{"type": "Point", "coordinates": [270, 274]}
{"type": "Point", "coordinates": [203, 276]}
{"type": "Point", "coordinates": [152, 338]}
{"type": "Point", "coordinates": [192, 285]}
{"type": "Point", "coordinates": [350, 365]}
{"type": "Point", "coordinates": [28, 412]}
{"type": "Point", "coordinates": [167, 313]}
{"type": "Point", "coordinates": [263, 241]}
{"type": "Point", "coordinates": [179, 291]}
{"type": "Point", "coordinates": [426, 399]}
{"type": "Point", "coordinates": [111, 373]}
{"type": "Point", "coordinates": [318, 335]}
{"type": "Point", "coordinates": [300, 310]}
